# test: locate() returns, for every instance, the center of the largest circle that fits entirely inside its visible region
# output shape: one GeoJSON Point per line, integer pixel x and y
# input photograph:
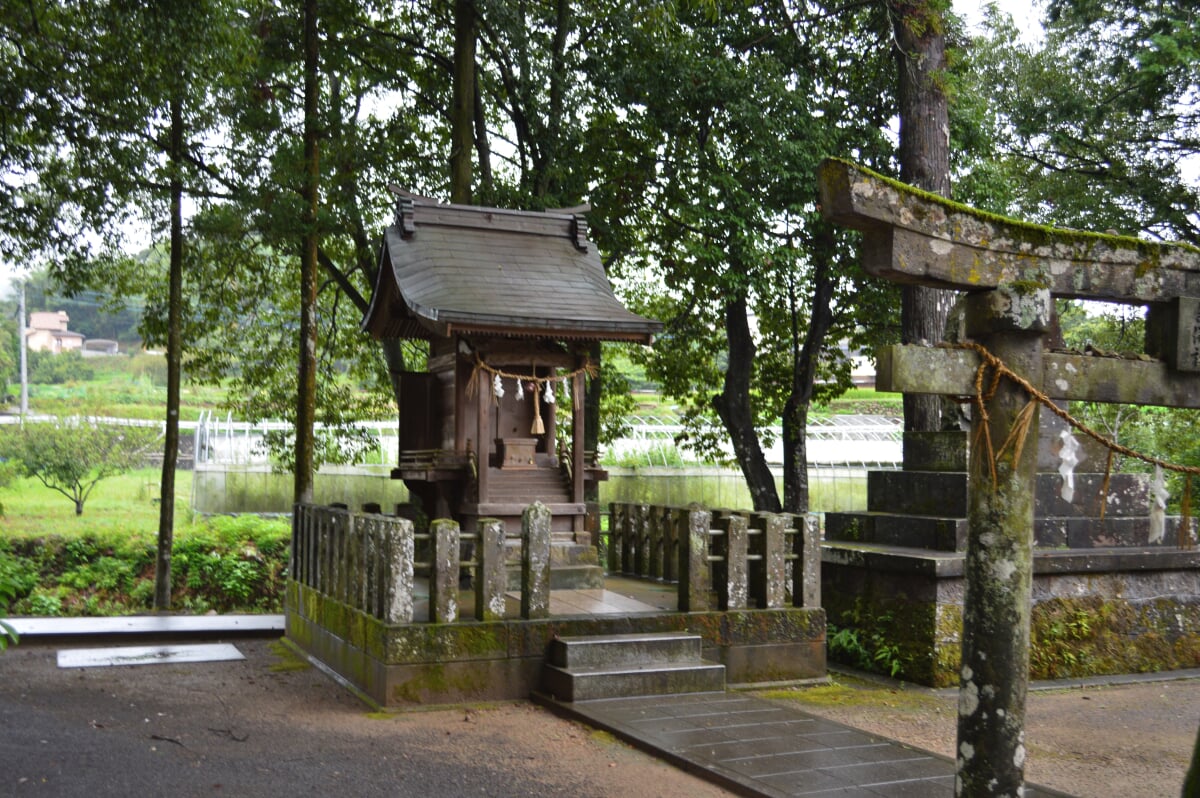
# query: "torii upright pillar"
{"type": "Point", "coordinates": [1011, 271]}
{"type": "Point", "coordinates": [1008, 322]}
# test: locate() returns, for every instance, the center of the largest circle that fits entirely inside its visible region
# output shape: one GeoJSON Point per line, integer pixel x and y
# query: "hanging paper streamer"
{"type": "Point", "coordinates": [549, 394]}
{"type": "Point", "coordinates": [1158, 506]}
{"type": "Point", "coordinates": [566, 388]}
{"type": "Point", "coordinates": [1068, 458]}
{"type": "Point", "coordinates": [497, 387]}
{"type": "Point", "coordinates": [520, 391]}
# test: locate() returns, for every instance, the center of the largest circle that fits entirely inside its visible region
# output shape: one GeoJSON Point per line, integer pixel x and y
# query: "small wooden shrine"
{"type": "Point", "coordinates": [512, 304]}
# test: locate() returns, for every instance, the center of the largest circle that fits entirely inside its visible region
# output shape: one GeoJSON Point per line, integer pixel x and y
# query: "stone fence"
{"type": "Point", "coordinates": [744, 560]}
{"type": "Point", "coordinates": [721, 560]}
{"type": "Point", "coordinates": [367, 561]}
{"type": "Point", "coordinates": [350, 602]}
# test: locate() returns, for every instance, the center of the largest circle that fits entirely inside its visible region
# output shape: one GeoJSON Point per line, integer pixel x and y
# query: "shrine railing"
{"type": "Point", "coordinates": [721, 560]}
{"type": "Point", "coordinates": [367, 561]}
{"type": "Point", "coordinates": [733, 559]}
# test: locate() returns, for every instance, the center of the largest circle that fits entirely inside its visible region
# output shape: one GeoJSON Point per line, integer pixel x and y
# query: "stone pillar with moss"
{"type": "Point", "coordinates": [945, 532]}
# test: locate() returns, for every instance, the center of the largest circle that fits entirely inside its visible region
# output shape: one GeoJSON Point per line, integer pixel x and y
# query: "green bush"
{"type": "Point", "coordinates": [17, 578]}
{"type": "Point", "coordinates": [41, 603]}
{"type": "Point", "coordinates": [46, 368]}
{"type": "Point", "coordinates": [228, 564]}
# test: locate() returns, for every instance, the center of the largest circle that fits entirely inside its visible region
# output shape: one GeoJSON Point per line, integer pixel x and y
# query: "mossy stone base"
{"type": "Point", "coordinates": [425, 663]}
{"type": "Point", "coordinates": [1094, 612]}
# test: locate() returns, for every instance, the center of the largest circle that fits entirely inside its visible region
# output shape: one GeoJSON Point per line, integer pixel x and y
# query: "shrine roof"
{"type": "Point", "coordinates": [447, 269]}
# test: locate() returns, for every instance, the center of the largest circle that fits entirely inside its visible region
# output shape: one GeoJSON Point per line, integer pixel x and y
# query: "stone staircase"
{"type": "Point", "coordinates": [624, 665]}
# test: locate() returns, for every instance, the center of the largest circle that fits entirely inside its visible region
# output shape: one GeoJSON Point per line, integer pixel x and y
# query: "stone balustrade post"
{"type": "Point", "coordinates": [491, 577]}
{"type": "Point", "coordinates": [617, 519]}
{"type": "Point", "coordinates": [396, 583]}
{"type": "Point", "coordinates": [671, 536]}
{"type": "Point", "coordinates": [735, 595]}
{"type": "Point", "coordinates": [443, 571]}
{"type": "Point", "coordinates": [694, 584]}
{"type": "Point", "coordinates": [654, 537]}
{"type": "Point", "coordinates": [768, 577]}
{"type": "Point", "coordinates": [806, 568]}
{"type": "Point", "coordinates": [535, 561]}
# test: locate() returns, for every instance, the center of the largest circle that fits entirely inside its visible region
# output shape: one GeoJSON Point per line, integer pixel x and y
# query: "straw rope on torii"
{"type": "Point", "coordinates": [1016, 438]}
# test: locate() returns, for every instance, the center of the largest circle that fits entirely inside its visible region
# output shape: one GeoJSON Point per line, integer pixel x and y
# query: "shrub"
{"type": "Point", "coordinates": [47, 368]}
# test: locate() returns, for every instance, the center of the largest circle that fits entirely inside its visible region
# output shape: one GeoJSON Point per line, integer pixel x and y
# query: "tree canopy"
{"type": "Point", "coordinates": [692, 128]}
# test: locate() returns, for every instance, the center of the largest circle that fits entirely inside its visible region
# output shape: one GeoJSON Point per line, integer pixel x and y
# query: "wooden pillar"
{"type": "Point", "coordinates": [991, 752]}
{"type": "Point", "coordinates": [578, 442]}
{"type": "Point", "coordinates": [484, 437]}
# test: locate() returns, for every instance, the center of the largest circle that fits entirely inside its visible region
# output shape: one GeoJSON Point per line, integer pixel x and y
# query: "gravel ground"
{"type": "Point", "coordinates": [269, 726]}
{"type": "Point", "coordinates": [262, 727]}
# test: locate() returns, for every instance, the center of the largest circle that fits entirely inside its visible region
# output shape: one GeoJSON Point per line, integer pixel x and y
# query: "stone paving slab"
{"type": "Point", "coordinates": [758, 748]}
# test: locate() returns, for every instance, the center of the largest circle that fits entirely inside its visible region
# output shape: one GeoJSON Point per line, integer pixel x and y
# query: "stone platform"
{"type": "Point", "coordinates": [397, 665]}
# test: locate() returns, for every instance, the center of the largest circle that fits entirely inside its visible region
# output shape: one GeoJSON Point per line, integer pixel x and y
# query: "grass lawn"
{"type": "Point", "coordinates": [124, 506]}
{"type": "Point", "coordinates": [53, 562]}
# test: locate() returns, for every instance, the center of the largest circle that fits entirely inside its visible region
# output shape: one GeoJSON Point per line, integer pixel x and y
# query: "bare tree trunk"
{"type": "Point", "coordinates": [804, 372]}
{"type": "Point", "coordinates": [463, 113]}
{"type": "Point", "coordinates": [306, 391]}
{"type": "Point", "coordinates": [924, 163]}
{"type": "Point", "coordinates": [166, 505]}
{"type": "Point", "coordinates": [733, 407]}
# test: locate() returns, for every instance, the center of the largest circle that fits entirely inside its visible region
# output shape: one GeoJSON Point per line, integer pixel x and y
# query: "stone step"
{"type": "Point", "coordinates": [597, 652]}
{"type": "Point", "coordinates": [917, 531]}
{"type": "Point", "coordinates": [950, 534]}
{"type": "Point", "coordinates": [563, 577]}
{"type": "Point", "coordinates": [943, 494]}
{"type": "Point", "coordinates": [661, 680]}
{"type": "Point", "coordinates": [622, 665]}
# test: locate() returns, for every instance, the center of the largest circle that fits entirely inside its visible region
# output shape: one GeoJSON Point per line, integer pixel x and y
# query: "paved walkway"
{"type": "Point", "coordinates": [760, 748]}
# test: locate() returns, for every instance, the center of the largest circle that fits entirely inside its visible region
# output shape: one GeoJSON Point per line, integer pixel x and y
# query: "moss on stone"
{"type": "Point", "coordinates": [1034, 233]}
{"type": "Point", "coordinates": [1094, 635]}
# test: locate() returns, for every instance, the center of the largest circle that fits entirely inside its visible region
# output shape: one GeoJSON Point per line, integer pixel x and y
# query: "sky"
{"type": "Point", "coordinates": [1027, 14]}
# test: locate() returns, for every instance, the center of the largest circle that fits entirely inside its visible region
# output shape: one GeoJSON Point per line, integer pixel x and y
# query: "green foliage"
{"type": "Point", "coordinates": [17, 579]}
{"type": "Point", "coordinates": [71, 457]}
{"type": "Point", "coordinates": [58, 368]}
{"type": "Point", "coordinates": [226, 564]}
{"type": "Point", "coordinates": [863, 641]}
{"type": "Point", "coordinates": [1101, 151]}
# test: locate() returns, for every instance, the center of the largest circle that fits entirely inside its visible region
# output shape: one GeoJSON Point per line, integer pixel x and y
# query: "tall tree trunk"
{"type": "Point", "coordinates": [733, 407]}
{"type": "Point", "coordinates": [462, 117]}
{"type": "Point", "coordinates": [166, 504]}
{"type": "Point", "coordinates": [924, 163]}
{"type": "Point", "coordinates": [804, 372]}
{"type": "Point", "coordinates": [483, 147]}
{"type": "Point", "coordinates": [546, 163]}
{"type": "Point", "coordinates": [306, 391]}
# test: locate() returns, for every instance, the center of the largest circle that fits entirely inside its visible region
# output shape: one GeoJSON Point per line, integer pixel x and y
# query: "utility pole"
{"type": "Point", "coordinates": [22, 346]}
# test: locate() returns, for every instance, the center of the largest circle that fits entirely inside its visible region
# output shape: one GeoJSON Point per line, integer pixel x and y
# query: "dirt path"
{"type": "Point", "coordinates": [1130, 741]}
{"type": "Point", "coordinates": [266, 727]}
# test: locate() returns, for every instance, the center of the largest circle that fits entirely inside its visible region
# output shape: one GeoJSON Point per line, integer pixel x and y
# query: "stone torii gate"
{"type": "Point", "coordinates": [1011, 272]}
